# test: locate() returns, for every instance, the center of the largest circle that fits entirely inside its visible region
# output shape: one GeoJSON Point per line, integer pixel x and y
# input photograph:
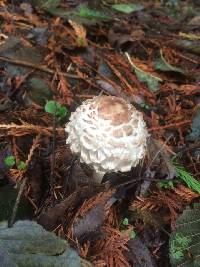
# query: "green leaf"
{"type": "Point", "coordinates": [9, 161]}
{"type": "Point", "coordinates": [151, 80]}
{"type": "Point", "coordinates": [127, 8]}
{"type": "Point", "coordinates": [52, 107]}
{"type": "Point", "coordinates": [21, 165]}
{"type": "Point", "coordinates": [179, 246]}
{"type": "Point", "coordinates": [162, 65]}
{"type": "Point", "coordinates": [195, 134]}
{"type": "Point", "coordinates": [29, 245]}
{"type": "Point", "coordinates": [125, 222]}
{"type": "Point", "coordinates": [166, 184]}
{"type": "Point", "coordinates": [89, 13]}
{"type": "Point", "coordinates": [132, 234]}
{"type": "Point", "coordinates": [62, 112]}
{"type": "Point", "coordinates": [56, 109]}
{"type": "Point", "coordinates": [185, 240]}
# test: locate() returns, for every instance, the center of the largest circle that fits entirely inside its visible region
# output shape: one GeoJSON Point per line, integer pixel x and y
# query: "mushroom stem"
{"type": "Point", "coordinates": [98, 176]}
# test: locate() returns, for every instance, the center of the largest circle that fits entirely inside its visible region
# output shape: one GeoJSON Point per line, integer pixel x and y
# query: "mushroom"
{"type": "Point", "coordinates": [108, 134]}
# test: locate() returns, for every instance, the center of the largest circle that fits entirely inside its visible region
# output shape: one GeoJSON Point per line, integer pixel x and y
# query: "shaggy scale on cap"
{"type": "Point", "coordinates": [108, 133]}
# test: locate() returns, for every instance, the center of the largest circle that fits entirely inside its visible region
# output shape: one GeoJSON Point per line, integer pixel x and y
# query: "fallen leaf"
{"type": "Point", "coordinates": [127, 8]}
{"type": "Point", "coordinates": [162, 65]}
{"type": "Point", "coordinates": [90, 222]}
{"type": "Point", "coordinates": [150, 79]}
{"type": "Point", "coordinates": [139, 254]}
{"type": "Point", "coordinates": [160, 157]}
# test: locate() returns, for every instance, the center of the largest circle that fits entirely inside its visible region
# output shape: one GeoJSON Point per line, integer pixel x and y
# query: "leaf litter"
{"type": "Point", "coordinates": [64, 52]}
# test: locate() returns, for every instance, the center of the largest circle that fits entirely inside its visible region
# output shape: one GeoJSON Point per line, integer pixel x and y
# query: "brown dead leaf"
{"type": "Point", "coordinates": [90, 223]}
{"type": "Point", "coordinates": [91, 214]}
{"type": "Point", "coordinates": [50, 216]}
{"type": "Point", "coordinates": [122, 40]}
{"type": "Point", "coordinates": [160, 157]}
{"type": "Point", "coordinates": [139, 253]}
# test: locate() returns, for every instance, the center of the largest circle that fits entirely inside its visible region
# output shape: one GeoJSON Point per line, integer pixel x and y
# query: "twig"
{"type": "Point", "coordinates": [25, 128]}
{"type": "Point", "coordinates": [135, 180]}
{"type": "Point", "coordinates": [15, 208]}
{"type": "Point", "coordinates": [38, 67]}
{"type": "Point", "coordinates": [36, 142]}
{"type": "Point", "coordinates": [171, 125]}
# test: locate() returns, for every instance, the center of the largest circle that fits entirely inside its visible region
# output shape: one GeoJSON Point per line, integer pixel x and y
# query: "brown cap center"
{"type": "Point", "coordinates": [114, 109]}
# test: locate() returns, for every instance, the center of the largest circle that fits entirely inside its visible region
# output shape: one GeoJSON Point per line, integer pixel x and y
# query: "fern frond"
{"type": "Point", "coordinates": [188, 178]}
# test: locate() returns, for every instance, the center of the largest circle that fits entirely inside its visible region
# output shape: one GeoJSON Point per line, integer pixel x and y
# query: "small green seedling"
{"type": "Point", "coordinates": [165, 184]}
{"type": "Point", "coordinates": [126, 226]}
{"type": "Point", "coordinates": [56, 109]}
{"type": "Point", "coordinates": [59, 112]}
{"type": "Point", "coordinates": [145, 106]}
{"type": "Point", "coordinates": [125, 222]}
{"type": "Point", "coordinates": [21, 165]}
{"type": "Point", "coordinates": [9, 161]}
{"type": "Point", "coordinates": [132, 234]}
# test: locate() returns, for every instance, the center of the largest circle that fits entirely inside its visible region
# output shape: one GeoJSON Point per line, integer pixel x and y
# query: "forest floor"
{"type": "Point", "coordinates": [68, 51]}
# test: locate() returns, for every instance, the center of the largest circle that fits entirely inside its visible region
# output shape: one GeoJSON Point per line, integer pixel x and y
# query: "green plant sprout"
{"type": "Point", "coordinates": [10, 161]}
{"type": "Point", "coordinates": [178, 246]}
{"type": "Point", "coordinates": [124, 227]}
{"type": "Point", "coordinates": [145, 106]}
{"type": "Point", "coordinates": [55, 108]}
{"type": "Point", "coordinates": [166, 184]}
{"type": "Point", "coordinates": [21, 165]}
{"type": "Point", "coordinates": [125, 222]}
{"type": "Point", "coordinates": [59, 112]}
{"type": "Point", "coordinates": [132, 234]}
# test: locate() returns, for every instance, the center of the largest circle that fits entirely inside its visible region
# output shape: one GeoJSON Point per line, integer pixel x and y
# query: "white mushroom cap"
{"type": "Point", "coordinates": [108, 133]}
